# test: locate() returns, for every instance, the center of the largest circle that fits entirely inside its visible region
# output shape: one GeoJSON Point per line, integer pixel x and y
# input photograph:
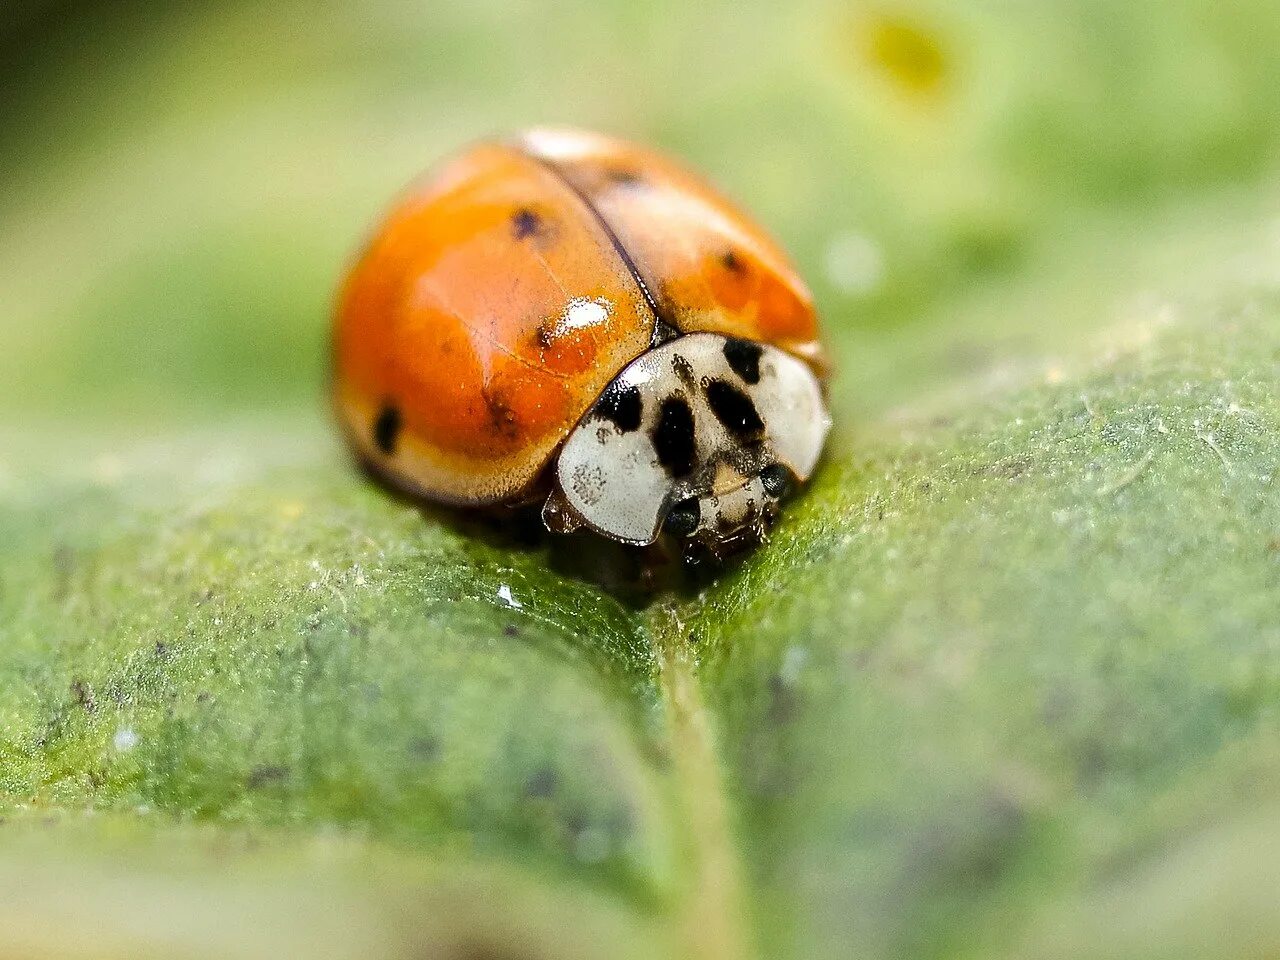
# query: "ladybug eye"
{"type": "Point", "coordinates": [683, 518]}
{"type": "Point", "coordinates": [776, 480]}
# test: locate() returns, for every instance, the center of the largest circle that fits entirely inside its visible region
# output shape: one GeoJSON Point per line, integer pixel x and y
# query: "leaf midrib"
{"type": "Point", "coordinates": [711, 921]}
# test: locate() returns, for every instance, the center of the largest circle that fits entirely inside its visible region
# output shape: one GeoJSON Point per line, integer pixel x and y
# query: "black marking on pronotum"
{"type": "Point", "coordinates": [734, 409]}
{"type": "Point", "coordinates": [661, 323]}
{"type": "Point", "coordinates": [683, 369]}
{"type": "Point", "coordinates": [621, 406]}
{"type": "Point", "coordinates": [386, 428]}
{"type": "Point", "coordinates": [663, 332]}
{"type": "Point", "coordinates": [673, 437]}
{"type": "Point", "coordinates": [683, 518]}
{"type": "Point", "coordinates": [732, 262]}
{"type": "Point", "coordinates": [743, 357]}
{"type": "Point", "coordinates": [526, 223]}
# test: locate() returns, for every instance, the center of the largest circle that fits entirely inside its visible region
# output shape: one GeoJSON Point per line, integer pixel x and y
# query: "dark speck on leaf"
{"type": "Point", "coordinates": [1010, 468]}
{"type": "Point", "coordinates": [511, 630]}
{"type": "Point", "coordinates": [783, 701]}
{"type": "Point", "coordinates": [576, 822]}
{"type": "Point", "coordinates": [425, 748]}
{"type": "Point", "coordinates": [541, 783]}
{"type": "Point", "coordinates": [262, 776]}
{"type": "Point", "coordinates": [63, 567]}
{"type": "Point", "coordinates": [84, 695]}
{"type": "Point", "coordinates": [488, 951]}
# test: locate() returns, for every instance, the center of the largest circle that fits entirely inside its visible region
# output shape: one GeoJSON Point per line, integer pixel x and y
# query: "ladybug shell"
{"type": "Point", "coordinates": [501, 297]}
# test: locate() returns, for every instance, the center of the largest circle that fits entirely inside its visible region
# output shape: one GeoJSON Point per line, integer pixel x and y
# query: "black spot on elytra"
{"type": "Point", "coordinates": [526, 223]}
{"type": "Point", "coordinates": [732, 262]}
{"type": "Point", "coordinates": [734, 409]}
{"type": "Point", "coordinates": [622, 406]}
{"type": "Point", "coordinates": [625, 177]}
{"type": "Point", "coordinates": [502, 418]}
{"type": "Point", "coordinates": [743, 357]}
{"type": "Point", "coordinates": [683, 369]}
{"type": "Point", "coordinates": [673, 437]}
{"type": "Point", "coordinates": [683, 518]}
{"type": "Point", "coordinates": [545, 335]}
{"type": "Point", "coordinates": [386, 429]}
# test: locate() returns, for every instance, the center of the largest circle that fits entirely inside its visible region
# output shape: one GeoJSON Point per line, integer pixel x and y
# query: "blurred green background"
{"type": "Point", "coordinates": [184, 182]}
{"type": "Point", "coordinates": [1003, 687]}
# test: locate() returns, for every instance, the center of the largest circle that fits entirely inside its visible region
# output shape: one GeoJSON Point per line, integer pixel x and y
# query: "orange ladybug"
{"type": "Point", "coordinates": [571, 318]}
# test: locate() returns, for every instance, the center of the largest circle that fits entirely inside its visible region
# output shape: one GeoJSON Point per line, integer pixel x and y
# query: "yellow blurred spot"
{"type": "Point", "coordinates": [908, 54]}
{"type": "Point", "coordinates": [107, 470]}
{"type": "Point", "coordinates": [291, 510]}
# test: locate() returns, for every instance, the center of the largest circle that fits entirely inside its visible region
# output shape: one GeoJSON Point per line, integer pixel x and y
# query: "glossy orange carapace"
{"type": "Point", "coordinates": [502, 295]}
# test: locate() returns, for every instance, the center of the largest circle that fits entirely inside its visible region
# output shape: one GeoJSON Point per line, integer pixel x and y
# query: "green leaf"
{"type": "Point", "coordinates": [1003, 684]}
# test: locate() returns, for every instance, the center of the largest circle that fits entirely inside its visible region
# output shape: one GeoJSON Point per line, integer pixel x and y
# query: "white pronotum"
{"type": "Point", "coordinates": [698, 420]}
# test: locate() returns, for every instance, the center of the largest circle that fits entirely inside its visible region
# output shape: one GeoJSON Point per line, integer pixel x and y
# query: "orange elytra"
{"type": "Point", "coordinates": [571, 318]}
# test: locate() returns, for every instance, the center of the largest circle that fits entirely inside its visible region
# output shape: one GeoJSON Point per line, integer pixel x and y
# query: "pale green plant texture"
{"type": "Point", "coordinates": [1003, 685]}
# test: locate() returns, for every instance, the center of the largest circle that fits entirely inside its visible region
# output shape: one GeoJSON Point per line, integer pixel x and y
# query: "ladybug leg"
{"type": "Point", "coordinates": [558, 515]}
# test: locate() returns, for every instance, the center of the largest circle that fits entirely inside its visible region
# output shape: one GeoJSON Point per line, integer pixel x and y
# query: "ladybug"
{"type": "Point", "coordinates": [568, 318]}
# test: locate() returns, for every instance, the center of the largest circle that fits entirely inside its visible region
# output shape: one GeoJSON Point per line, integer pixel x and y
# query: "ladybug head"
{"type": "Point", "coordinates": [699, 438]}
